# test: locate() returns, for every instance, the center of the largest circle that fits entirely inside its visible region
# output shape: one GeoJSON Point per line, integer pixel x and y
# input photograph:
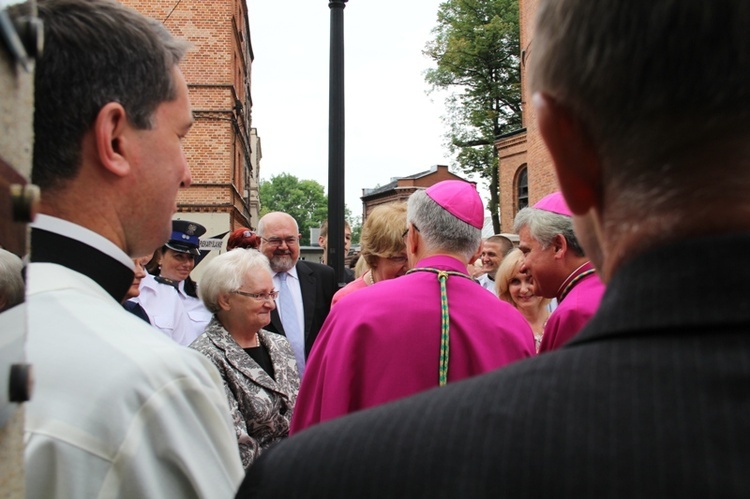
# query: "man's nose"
{"type": "Point", "coordinates": [187, 178]}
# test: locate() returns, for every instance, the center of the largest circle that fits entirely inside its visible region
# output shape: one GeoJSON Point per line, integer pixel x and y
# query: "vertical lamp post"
{"type": "Point", "coordinates": [336, 141]}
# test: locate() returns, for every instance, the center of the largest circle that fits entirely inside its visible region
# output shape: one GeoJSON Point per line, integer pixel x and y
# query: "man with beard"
{"type": "Point", "coordinates": [305, 288]}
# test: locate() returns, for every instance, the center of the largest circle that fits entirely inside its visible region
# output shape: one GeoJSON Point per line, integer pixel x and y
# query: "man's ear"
{"type": "Point", "coordinates": [412, 245]}
{"type": "Point", "coordinates": [413, 240]}
{"type": "Point", "coordinates": [577, 164]}
{"type": "Point", "coordinates": [477, 253]}
{"type": "Point", "coordinates": [560, 245]}
{"type": "Point", "coordinates": [110, 129]}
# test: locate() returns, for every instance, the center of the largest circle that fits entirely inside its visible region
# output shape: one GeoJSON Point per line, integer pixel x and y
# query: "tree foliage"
{"type": "Point", "coordinates": [476, 46]}
{"type": "Point", "coordinates": [304, 200]}
{"type": "Point", "coordinates": [356, 225]}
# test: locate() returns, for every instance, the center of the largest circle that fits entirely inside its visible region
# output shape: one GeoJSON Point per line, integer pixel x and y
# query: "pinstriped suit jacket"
{"type": "Point", "coordinates": [651, 399]}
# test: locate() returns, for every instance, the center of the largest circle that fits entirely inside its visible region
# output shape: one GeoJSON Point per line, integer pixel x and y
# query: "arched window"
{"type": "Point", "coordinates": [522, 188]}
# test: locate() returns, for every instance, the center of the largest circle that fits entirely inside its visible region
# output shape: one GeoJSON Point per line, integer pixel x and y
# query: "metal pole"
{"type": "Point", "coordinates": [336, 141]}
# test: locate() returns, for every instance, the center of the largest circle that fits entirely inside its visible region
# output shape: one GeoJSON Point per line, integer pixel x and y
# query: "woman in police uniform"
{"type": "Point", "coordinates": [169, 297]}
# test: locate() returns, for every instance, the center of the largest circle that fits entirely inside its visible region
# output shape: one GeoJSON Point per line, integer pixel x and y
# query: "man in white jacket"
{"type": "Point", "coordinates": [118, 410]}
{"type": "Point", "coordinates": [494, 249]}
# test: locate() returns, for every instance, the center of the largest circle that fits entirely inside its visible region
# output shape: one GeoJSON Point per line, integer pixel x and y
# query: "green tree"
{"type": "Point", "coordinates": [476, 47]}
{"type": "Point", "coordinates": [304, 200]}
{"type": "Point", "coordinates": [356, 224]}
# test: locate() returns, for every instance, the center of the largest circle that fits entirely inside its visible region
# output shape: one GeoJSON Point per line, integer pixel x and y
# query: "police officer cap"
{"type": "Point", "coordinates": [185, 237]}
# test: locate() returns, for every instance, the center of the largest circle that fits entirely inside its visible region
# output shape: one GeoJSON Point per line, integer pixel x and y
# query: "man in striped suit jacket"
{"type": "Point", "coordinates": [645, 109]}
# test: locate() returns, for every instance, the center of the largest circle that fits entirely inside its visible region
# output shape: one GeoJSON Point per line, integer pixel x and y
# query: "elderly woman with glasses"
{"type": "Point", "coordinates": [383, 248]}
{"type": "Point", "coordinates": [258, 367]}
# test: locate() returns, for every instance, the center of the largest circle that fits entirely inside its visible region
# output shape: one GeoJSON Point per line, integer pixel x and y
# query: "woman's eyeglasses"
{"type": "Point", "coordinates": [258, 296]}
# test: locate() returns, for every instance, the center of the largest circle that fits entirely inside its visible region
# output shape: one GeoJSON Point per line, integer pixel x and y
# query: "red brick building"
{"type": "Point", "coordinates": [526, 171]}
{"type": "Point", "coordinates": [399, 189]}
{"type": "Point", "coordinates": [222, 152]}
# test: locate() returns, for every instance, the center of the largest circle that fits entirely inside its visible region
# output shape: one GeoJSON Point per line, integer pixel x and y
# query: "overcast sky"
{"type": "Point", "coordinates": [393, 128]}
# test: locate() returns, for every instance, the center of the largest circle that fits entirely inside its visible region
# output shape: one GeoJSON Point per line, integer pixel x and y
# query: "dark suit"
{"type": "Point", "coordinates": [318, 285]}
{"type": "Point", "coordinates": [651, 399]}
{"type": "Point", "coordinates": [136, 309]}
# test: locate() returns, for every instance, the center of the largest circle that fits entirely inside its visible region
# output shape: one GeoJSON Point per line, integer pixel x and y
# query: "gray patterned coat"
{"type": "Point", "coordinates": [261, 407]}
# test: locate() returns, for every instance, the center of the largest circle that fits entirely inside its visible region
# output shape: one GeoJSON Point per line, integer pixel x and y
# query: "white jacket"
{"type": "Point", "coordinates": [179, 316]}
{"type": "Point", "coordinates": [487, 283]}
{"type": "Point", "coordinates": [118, 409]}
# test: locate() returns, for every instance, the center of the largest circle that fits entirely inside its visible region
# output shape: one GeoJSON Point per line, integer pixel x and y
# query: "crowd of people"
{"type": "Point", "coordinates": [576, 360]}
{"type": "Point", "coordinates": [353, 361]}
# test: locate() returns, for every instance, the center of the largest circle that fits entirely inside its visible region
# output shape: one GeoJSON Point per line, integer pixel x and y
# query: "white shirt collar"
{"type": "Point", "coordinates": [292, 272]}
{"type": "Point", "coordinates": [84, 235]}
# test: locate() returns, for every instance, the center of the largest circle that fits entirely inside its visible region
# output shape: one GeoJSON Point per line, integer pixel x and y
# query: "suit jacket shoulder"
{"type": "Point", "coordinates": [643, 402]}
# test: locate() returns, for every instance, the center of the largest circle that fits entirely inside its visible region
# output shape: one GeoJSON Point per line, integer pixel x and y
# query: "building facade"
{"type": "Point", "coordinates": [525, 167]}
{"type": "Point", "coordinates": [399, 189]}
{"type": "Point", "coordinates": [252, 193]}
{"type": "Point", "coordinates": [222, 149]}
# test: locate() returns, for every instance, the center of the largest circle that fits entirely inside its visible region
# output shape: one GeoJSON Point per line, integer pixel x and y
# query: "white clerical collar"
{"type": "Point", "coordinates": [84, 235]}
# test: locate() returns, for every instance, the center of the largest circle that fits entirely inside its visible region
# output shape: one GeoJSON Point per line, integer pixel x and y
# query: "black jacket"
{"type": "Point", "coordinates": [651, 399]}
{"type": "Point", "coordinates": [318, 285]}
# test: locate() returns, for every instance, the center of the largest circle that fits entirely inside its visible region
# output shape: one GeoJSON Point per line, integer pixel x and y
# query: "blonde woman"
{"type": "Point", "coordinates": [383, 248]}
{"type": "Point", "coordinates": [517, 289]}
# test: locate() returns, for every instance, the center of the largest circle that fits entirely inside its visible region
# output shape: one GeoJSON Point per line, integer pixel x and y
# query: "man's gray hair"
{"type": "Point", "coordinates": [544, 226]}
{"type": "Point", "coordinates": [440, 230]}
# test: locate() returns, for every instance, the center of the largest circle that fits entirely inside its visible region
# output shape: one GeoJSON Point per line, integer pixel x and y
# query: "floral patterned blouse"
{"type": "Point", "coordinates": [261, 406]}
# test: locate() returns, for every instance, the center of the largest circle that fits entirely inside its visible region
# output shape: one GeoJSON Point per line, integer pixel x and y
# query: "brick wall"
{"type": "Point", "coordinates": [542, 179]}
{"type": "Point", "coordinates": [217, 69]}
{"type": "Point", "coordinates": [541, 174]}
{"type": "Point", "coordinates": [513, 157]}
{"type": "Point", "coordinates": [405, 186]}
